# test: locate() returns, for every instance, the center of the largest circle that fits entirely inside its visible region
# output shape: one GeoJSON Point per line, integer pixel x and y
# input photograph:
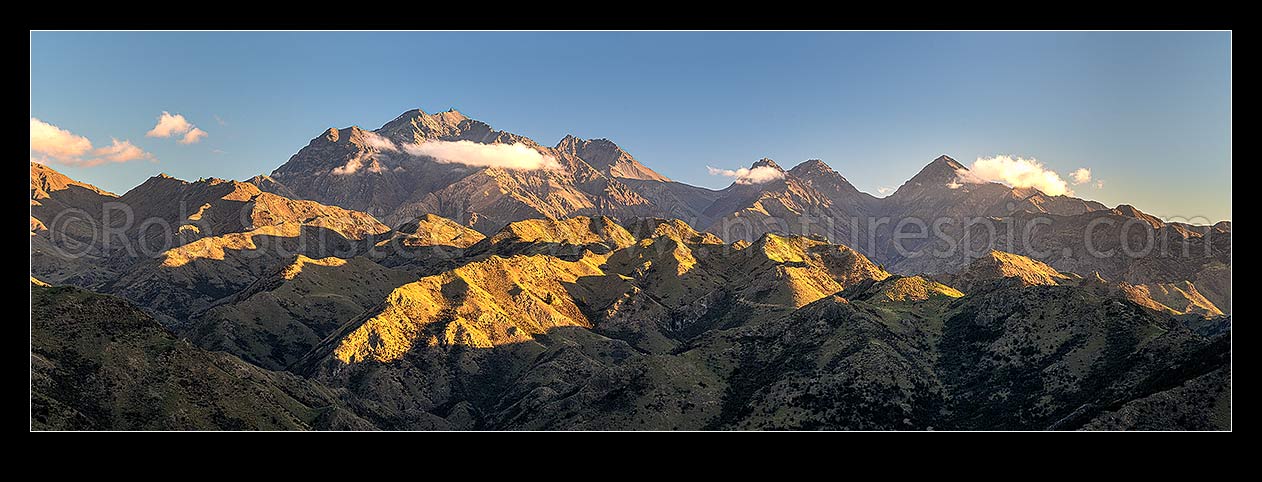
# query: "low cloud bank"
{"type": "Point", "coordinates": [744, 175]}
{"type": "Point", "coordinates": [379, 142]}
{"type": "Point", "coordinates": [515, 156]}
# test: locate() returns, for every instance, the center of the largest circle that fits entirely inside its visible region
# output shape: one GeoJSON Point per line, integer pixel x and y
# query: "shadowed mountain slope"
{"type": "Point", "coordinates": [98, 363]}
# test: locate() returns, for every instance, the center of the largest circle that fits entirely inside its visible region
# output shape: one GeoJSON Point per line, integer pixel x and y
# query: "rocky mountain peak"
{"type": "Point", "coordinates": [163, 188]}
{"type": "Point", "coordinates": [1131, 212]}
{"type": "Point", "coordinates": [331, 134]}
{"type": "Point", "coordinates": [450, 116]}
{"type": "Point", "coordinates": [766, 162]}
{"type": "Point", "coordinates": [811, 166]}
{"type": "Point", "coordinates": [594, 147]}
{"type": "Point", "coordinates": [1128, 210]}
{"type": "Point", "coordinates": [45, 179]}
{"type": "Point", "coordinates": [162, 179]}
{"type": "Point", "coordinates": [940, 171]}
{"type": "Point", "coordinates": [940, 176]}
{"type": "Point", "coordinates": [605, 156]}
{"type": "Point", "coordinates": [947, 161]}
{"type": "Point", "coordinates": [829, 182]}
{"type": "Point", "coordinates": [348, 135]}
{"type": "Point", "coordinates": [415, 124]}
{"type": "Point", "coordinates": [815, 170]}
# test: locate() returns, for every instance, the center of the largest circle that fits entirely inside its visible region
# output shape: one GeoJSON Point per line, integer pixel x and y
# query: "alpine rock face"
{"type": "Point", "coordinates": [372, 171]}
{"type": "Point", "coordinates": [436, 273]}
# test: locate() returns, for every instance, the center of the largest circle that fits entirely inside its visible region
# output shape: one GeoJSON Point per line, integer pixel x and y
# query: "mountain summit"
{"type": "Point", "coordinates": [608, 158]}
{"type": "Point", "coordinates": [382, 172]}
{"type": "Point", "coordinates": [766, 162]}
{"type": "Point", "coordinates": [942, 172]}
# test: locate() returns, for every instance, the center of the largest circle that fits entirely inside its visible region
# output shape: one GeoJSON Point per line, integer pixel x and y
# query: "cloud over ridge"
{"type": "Point", "coordinates": [379, 142]}
{"type": "Point", "coordinates": [1016, 172]}
{"type": "Point", "coordinates": [744, 175]}
{"type": "Point", "coordinates": [516, 156]}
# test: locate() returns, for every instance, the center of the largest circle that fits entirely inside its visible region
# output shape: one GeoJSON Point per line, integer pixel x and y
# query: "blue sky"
{"type": "Point", "coordinates": [1148, 112]}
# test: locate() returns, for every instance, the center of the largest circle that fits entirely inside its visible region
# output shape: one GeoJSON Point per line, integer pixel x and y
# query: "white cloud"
{"type": "Point", "coordinates": [516, 156]}
{"type": "Point", "coordinates": [57, 143]}
{"type": "Point", "coordinates": [1017, 172]}
{"type": "Point", "coordinates": [193, 136]}
{"type": "Point", "coordinates": [380, 143]}
{"type": "Point", "coordinates": [351, 167]}
{"type": "Point", "coordinates": [1081, 175]}
{"type": "Point", "coordinates": [884, 190]}
{"type": "Point", "coordinates": [52, 143]}
{"type": "Point", "coordinates": [355, 165]}
{"type": "Point", "coordinates": [1099, 184]}
{"type": "Point", "coordinates": [121, 151]}
{"type": "Point", "coordinates": [744, 175]}
{"type": "Point", "coordinates": [171, 125]}
{"type": "Point", "coordinates": [964, 176]}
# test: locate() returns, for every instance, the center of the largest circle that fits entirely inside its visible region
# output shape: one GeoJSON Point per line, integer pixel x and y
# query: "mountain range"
{"type": "Point", "coordinates": [599, 178]}
{"type": "Point", "coordinates": [436, 273]}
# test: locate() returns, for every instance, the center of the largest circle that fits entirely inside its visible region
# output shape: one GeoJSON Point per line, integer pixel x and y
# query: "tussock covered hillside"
{"type": "Point", "coordinates": [99, 363]}
{"type": "Point", "coordinates": [407, 278]}
{"type": "Point", "coordinates": [669, 328]}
